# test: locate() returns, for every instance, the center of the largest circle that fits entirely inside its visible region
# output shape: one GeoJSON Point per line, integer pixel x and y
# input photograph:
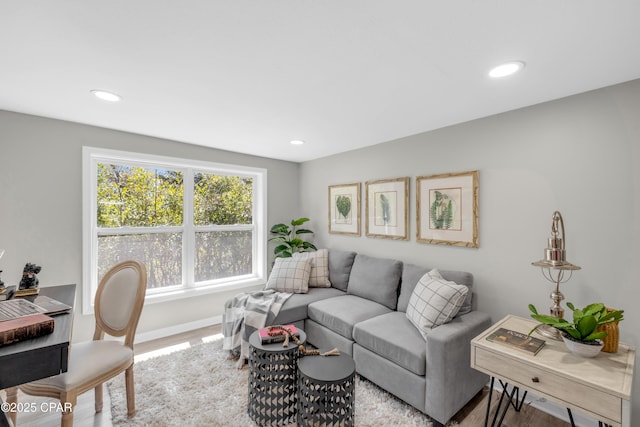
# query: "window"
{"type": "Point", "coordinates": [197, 227]}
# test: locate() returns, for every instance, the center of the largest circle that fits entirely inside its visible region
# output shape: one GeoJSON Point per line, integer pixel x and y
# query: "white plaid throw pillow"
{"type": "Point", "coordinates": [290, 275]}
{"type": "Point", "coordinates": [319, 277]}
{"type": "Point", "coordinates": [434, 302]}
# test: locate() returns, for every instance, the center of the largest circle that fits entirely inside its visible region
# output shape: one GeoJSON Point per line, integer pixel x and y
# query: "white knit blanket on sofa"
{"type": "Point", "coordinates": [246, 313]}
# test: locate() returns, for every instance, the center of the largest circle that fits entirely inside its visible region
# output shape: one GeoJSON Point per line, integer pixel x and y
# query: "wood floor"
{"type": "Point", "coordinates": [471, 415]}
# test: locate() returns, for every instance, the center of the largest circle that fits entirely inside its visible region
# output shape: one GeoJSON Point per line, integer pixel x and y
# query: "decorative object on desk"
{"type": "Point", "coordinates": [517, 340]}
{"type": "Point", "coordinates": [25, 327]}
{"type": "Point", "coordinates": [583, 329]}
{"type": "Point", "coordinates": [612, 339]}
{"type": "Point", "coordinates": [29, 282]}
{"type": "Point", "coordinates": [553, 267]}
{"type": "Point", "coordinates": [7, 292]}
{"type": "Point", "coordinates": [288, 239]}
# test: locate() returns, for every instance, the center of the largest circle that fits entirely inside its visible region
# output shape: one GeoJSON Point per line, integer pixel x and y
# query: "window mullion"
{"type": "Point", "coordinates": [189, 237]}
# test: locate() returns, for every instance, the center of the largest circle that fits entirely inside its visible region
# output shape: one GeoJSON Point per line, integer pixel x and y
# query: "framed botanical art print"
{"type": "Point", "coordinates": [387, 208]}
{"type": "Point", "coordinates": [447, 209]}
{"type": "Point", "coordinates": [344, 209]}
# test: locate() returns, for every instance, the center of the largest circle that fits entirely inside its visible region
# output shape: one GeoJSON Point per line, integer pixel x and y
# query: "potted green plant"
{"type": "Point", "coordinates": [581, 336]}
{"type": "Point", "coordinates": [288, 238]}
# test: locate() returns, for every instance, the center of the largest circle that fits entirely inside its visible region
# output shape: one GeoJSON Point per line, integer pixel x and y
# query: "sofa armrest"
{"type": "Point", "coordinates": [451, 382]}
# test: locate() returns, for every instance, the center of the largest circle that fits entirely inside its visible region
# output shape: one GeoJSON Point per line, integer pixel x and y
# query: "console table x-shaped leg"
{"type": "Point", "coordinates": [514, 400]}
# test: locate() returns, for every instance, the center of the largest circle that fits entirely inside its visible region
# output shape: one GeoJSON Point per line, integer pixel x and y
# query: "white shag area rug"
{"type": "Point", "coordinates": [200, 386]}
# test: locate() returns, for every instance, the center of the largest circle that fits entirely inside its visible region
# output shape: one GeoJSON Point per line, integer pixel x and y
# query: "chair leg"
{"type": "Point", "coordinates": [67, 419]}
{"type": "Point", "coordinates": [131, 399]}
{"type": "Point", "coordinates": [98, 398]}
{"type": "Point", "coordinates": [68, 402]}
{"type": "Point", "coordinates": [12, 400]}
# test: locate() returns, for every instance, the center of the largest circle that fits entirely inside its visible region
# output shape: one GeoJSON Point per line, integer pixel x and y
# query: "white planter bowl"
{"type": "Point", "coordinates": [581, 349]}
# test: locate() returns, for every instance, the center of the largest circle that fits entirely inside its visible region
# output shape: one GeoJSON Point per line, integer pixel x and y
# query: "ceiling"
{"type": "Point", "coordinates": [249, 76]}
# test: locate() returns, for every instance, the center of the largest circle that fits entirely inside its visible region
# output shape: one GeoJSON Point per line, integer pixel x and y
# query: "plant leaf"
{"type": "Point", "coordinates": [304, 231]}
{"type": "Point", "coordinates": [595, 336]}
{"type": "Point", "coordinates": [574, 333]}
{"type": "Point", "coordinates": [280, 229]}
{"type": "Point", "coordinates": [281, 248]}
{"type": "Point", "coordinates": [308, 245]}
{"type": "Point", "coordinates": [586, 326]}
{"type": "Point", "coordinates": [299, 221]}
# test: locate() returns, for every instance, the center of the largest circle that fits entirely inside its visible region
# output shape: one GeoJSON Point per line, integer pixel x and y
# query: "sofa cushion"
{"type": "Point", "coordinates": [434, 302]}
{"type": "Point", "coordinates": [393, 337]}
{"type": "Point", "coordinates": [290, 275]}
{"type": "Point", "coordinates": [411, 274]}
{"type": "Point", "coordinates": [319, 276]}
{"type": "Point", "coordinates": [340, 314]}
{"type": "Point", "coordinates": [294, 308]}
{"type": "Point", "coordinates": [376, 279]}
{"type": "Point", "coordinates": [340, 263]}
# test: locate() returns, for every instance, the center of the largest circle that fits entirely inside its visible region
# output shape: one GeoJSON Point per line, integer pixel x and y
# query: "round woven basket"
{"type": "Point", "coordinates": [613, 335]}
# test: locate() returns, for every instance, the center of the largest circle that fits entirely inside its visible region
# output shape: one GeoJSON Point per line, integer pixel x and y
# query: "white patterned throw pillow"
{"type": "Point", "coordinates": [434, 302]}
{"type": "Point", "coordinates": [319, 277]}
{"type": "Point", "coordinates": [290, 275]}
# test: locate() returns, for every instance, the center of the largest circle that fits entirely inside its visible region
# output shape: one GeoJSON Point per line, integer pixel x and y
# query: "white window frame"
{"type": "Point", "coordinates": [90, 231]}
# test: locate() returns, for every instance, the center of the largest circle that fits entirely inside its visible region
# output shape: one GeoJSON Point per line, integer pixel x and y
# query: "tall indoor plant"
{"type": "Point", "coordinates": [288, 238]}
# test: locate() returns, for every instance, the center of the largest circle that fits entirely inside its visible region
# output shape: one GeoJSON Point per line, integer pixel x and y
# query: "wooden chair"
{"type": "Point", "coordinates": [118, 304]}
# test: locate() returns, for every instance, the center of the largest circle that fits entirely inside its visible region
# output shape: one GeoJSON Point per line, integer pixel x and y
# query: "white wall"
{"type": "Point", "coordinates": [579, 155]}
{"type": "Point", "coordinates": [41, 206]}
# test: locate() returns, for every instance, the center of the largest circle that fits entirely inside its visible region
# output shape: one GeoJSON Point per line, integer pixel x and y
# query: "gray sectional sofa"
{"type": "Point", "coordinates": [363, 315]}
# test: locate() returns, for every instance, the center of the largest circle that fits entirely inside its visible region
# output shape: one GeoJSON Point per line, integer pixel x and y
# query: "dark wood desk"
{"type": "Point", "coordinates": [39, 357]}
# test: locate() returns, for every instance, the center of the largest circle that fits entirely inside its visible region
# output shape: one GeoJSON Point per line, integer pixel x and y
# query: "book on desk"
{"type": "Point", "coordinates": [7, 292]}
{"type": "Point", "coordinates": [21, 319]}
{"type": "Point", "coordinates": [25, 327]}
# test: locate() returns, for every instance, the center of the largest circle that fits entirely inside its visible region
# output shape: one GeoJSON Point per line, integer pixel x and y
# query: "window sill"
{"type": "Point", "coordinates": [202, 290]}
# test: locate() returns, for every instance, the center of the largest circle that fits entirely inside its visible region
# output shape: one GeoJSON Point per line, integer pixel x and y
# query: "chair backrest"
{"type": "Point", "coordinates": [119, 301]}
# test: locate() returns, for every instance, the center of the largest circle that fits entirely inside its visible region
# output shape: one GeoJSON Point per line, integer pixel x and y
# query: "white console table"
{"type": "Point", "coordinates": [599, 387]}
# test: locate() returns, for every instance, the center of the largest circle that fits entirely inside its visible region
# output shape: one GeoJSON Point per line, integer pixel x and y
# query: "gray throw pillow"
{"type": "Point", "coordinates": [376, 279]}
{"type": "Point", "coordinates": [340, 263]}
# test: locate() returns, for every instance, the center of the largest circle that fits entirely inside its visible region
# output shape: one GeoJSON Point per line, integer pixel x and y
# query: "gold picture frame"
{"type": "Point", "coordinates": [387, 208]}
{"type": "Point", "coordinates": [344, 209]}
{"type": "Point", "coordinates": [447, 209]}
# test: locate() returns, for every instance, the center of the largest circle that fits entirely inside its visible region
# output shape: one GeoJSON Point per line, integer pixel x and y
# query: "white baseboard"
{"type": "Point", "coordinates": [178, 329]}
{"type": "Point", "coordinates": [550, 408]}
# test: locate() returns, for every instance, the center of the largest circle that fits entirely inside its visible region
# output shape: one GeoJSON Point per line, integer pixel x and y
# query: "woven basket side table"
{"type": "Point", "coordinates": [326, 391]}
{"type": "Point", "coordinates": [273, 380]}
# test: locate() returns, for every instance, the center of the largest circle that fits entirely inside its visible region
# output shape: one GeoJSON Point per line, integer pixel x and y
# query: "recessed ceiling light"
{"type": "Point", "coordinates": [506, 69]}
{"type": "Point", "coordinates": [106, 96]}
{"type": "Point", "coordinates": [297, 142]}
